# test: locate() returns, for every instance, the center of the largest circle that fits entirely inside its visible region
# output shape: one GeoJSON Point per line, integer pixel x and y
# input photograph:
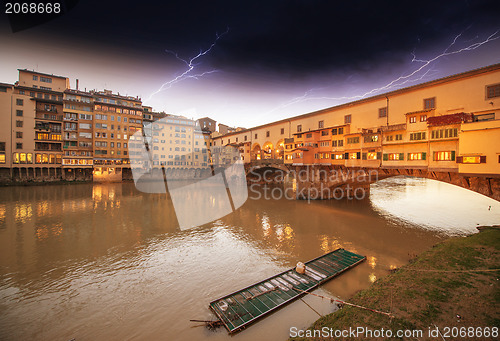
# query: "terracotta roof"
{"type": "Point", "coordinates": [449, 119]}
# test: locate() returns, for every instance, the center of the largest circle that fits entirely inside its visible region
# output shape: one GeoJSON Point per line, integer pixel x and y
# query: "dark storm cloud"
{"type": "Point", "coordinates": [298, 36]}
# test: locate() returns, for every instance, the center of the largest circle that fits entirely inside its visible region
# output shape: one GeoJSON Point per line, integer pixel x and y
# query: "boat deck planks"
{"type": "Point", "coordinates": [241, 308]}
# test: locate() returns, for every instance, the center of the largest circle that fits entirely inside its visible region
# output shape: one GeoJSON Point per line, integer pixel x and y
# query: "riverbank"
{"type": "Point", "coordinates": [441, 287]}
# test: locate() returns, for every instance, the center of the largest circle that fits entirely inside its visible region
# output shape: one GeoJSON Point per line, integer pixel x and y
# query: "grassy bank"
{"type": "Point", "coordinates": [434, 297]}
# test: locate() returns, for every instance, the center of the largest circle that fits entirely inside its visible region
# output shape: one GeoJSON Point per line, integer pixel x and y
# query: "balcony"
{"type": "Point", "coordinates": [394, 127]}
{"type": "Point", "coordinates": [50, 117]}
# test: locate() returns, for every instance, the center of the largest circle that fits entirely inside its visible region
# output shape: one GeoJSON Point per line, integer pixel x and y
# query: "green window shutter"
{"type": "Point", "coordinates": [346, 156]}
{"type": "Point", "coordinates": [401, 156]}
{"type": "Point", "coordinates": [452, 155]}
{"type": "Point", "coordinates": [379, 155]}
{"type": "Point", "coordinates": [424, 155]}
{"type": "Point", "coordinates": [386, 157]}
{"type": "Point", "coordinates": [363, 156]}
{"type": "Point", "coordinates": [408, 156]}
{"type": "Point", "coordinates": [358, 155]}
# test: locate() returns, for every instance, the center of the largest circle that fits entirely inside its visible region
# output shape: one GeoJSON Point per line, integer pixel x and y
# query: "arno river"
{"type": "Point", "coordinates": [106, 262]}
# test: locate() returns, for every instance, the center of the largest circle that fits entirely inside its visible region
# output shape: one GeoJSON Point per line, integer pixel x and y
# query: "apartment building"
{"type": "Point", "coordinates": [77, 161]}
{"type": "Point", "coordinates": [115, 118]}
{"type": "Point", "coordinates": [31, 117]}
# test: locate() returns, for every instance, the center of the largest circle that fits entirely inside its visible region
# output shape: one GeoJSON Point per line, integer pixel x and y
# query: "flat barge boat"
{"type": "Point", "coordinates": [241, 308]}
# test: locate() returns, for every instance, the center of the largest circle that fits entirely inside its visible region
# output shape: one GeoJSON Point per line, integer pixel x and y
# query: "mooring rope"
{"type": "Point", "coordinates": [435, 270]}
{"type": "Point", "coordinates": [347, 303]}
{"type": "Point", "coordinates": [311, 308]}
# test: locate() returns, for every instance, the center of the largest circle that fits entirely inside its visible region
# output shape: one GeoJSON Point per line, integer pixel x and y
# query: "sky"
{"type": "Point", "coordinates": [246, 63]}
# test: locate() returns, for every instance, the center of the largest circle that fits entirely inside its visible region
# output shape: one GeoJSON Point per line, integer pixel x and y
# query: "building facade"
{"type": "Point", "coordinates": [450, 124]}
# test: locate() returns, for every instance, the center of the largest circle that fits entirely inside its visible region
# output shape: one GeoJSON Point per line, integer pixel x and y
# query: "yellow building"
{"type": "Point", "coordinates": [78, 135]}
{"type": "Point", "coordinates": [115, 119]}
{"type": "Point", "coordinates": [434, 126]}
{"type": "Point", "coordinates": [32, 109]}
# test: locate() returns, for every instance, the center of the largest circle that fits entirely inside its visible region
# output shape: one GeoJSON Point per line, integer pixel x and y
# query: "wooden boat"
{"type": "Point", "coordinates": [243, 307]}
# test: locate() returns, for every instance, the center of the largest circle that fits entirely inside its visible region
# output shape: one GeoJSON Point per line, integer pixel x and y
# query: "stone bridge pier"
{"type": "Point", "coordinates": [313, 182]}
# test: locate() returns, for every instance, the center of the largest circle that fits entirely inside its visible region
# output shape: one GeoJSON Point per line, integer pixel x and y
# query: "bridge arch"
{"type": "Point", "coordinates": [280, 150]}
{"type": "Point", "coordinates": [255, 152]}
{"type": "Point", "coordinates": [268, 150]}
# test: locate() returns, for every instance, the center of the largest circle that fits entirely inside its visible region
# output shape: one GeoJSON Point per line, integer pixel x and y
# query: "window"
{"type": "Point", "coordinates": [309, 135]}
{"type": "Point", "coordinates": [472, 159]}
{"type": "Point", "coordinates": [416, 156]}
{"type": "Point", "coordinates": [35, 78]}
{"type": "Point", "coordinates": [394, 157]}
{"type": "Point", "coordinates": [493, 91]}
{"type": "Point", "coordinates": [42, 136]}
{"type": "Point", "coordinates": [321, 124]}
{"type": "Point", "coordinates": [413, 119]}
{"type": "Point", "coordinates": [324, 133]}
{"type": "Point", "coordinates": [19, 145]}
{"type": "Point", "coordinates": [268, 133]}
{"type": "Point", "coordinates": [444, 133]}
{"type": "Point", "coordinates": [399, 137]}
{"type": "Point", "coordinates": [382, 112]}
{"type": "Point", "coordinates": [3, 89]}
{"type": "Point", "coordinates": [430, 103]}
{"type": "Point", "coordinates": [371, 138]}
{"type": "Point", "coordinates": [255, 135]}
{"type": "Point", "coordinates": [347, 119]}
{"type": "Point", "coordinates": [299, 128]}
{"type": "Point", "coordinates": [245, 138]}
{"type": "Point", "coordinates": [19, 134]}
{"type": "Point", "coordinates": [484, 117]}
{"type": "Point", "coordinates": [19, 124]}
{"type": "Point", "coordinates": [19, 101]}
{"type": "Point", "coordinates": [417, 136]}
{"type": "Point", "coordinates": [353, 140]}
{"type": "Point", "coordinates": [334, 131]}
{"type": "Point", "coordinates": [282, 131]}
{"type": "Point", "coordinates": [389, 138]}
{"type": "Point", "coordinates": [423, 118]}
{"type": "Point", "coordinates": [19, 113]}
{"type": "Point", "coordinates": [444, 156]}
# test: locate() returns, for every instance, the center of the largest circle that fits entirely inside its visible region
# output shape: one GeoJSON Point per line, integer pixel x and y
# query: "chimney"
{"type": "Point", "coordinates": [77, 84]}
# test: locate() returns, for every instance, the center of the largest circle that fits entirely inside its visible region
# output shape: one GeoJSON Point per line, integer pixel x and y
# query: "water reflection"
{"type": "Point", "coordinates": [109, 262]}
{"type": "Point", "coordinates": [434, 205]}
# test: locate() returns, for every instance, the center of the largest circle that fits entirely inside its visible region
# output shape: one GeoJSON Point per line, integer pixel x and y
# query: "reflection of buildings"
{"type": "Point", "coordinates": [450, 124]}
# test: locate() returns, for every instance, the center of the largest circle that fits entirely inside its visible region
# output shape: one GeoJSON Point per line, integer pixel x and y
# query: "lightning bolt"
{"type": "Point", "coordinates": [425, 70]}
{"type": "Point", "coordinates": [190, 66]}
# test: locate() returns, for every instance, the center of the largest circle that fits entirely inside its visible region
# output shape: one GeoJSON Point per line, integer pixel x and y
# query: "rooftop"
{"type": "Point", "coordinates": [41, 73]}
{"type": "Point", "coordinates": [446, 79]}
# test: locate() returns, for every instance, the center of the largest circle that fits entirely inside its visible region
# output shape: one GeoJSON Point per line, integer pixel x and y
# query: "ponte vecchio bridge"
{"type": "Point", "coordinates": [447, 129]}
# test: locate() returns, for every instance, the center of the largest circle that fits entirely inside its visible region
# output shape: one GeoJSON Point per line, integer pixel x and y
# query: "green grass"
{"type": "Point", "coordinates": [422, 299]}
